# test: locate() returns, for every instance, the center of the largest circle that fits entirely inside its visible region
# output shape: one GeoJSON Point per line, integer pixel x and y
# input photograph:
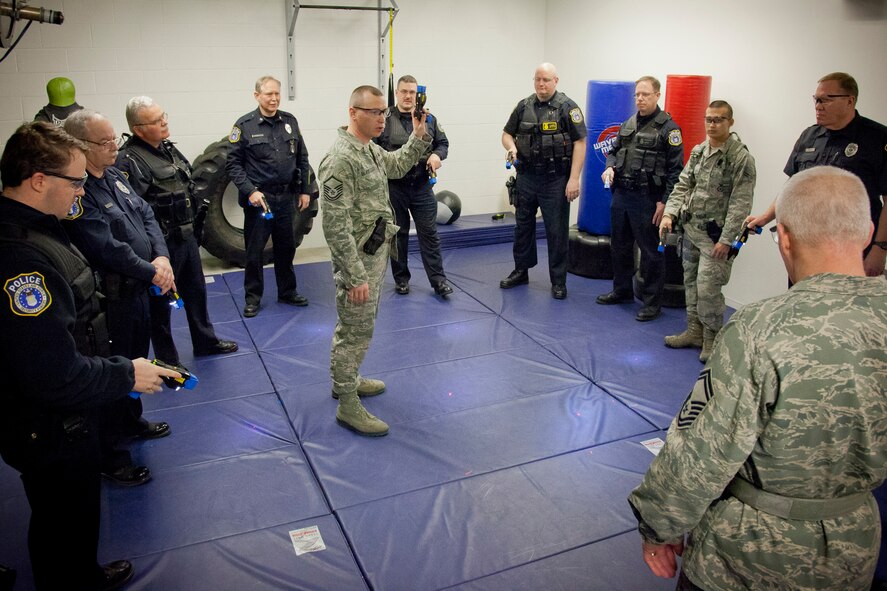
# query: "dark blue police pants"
{"type": "Point", "coordinates": [548, 193]}
{"type": "Point", "coordinates": [184, 256]}
{"type": "Point", "coordinates": [416, 199]}
{"type": "Point", "coordinates": [631, 217]}
{"type": "Point", "coordinates": [256, 231]}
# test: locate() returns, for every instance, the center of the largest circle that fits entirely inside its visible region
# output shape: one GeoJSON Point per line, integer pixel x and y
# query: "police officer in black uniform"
{"type": "Point", "coordinates": [545, 136]}
{"type": "Point", "coordinates": [162, 176]}
{"type": "Point", "coordinates": [268, 161]}
{"type": "Point", "coordinates": [116, 231]}
{"type": "Point", "coordinates": [642, 168]}
{"type": "Point", "coordinates": [412, 193]}
{"type": "Point", "coordinates": [844, 138]}
{"type": "Point", "coordinates": [54, 358]}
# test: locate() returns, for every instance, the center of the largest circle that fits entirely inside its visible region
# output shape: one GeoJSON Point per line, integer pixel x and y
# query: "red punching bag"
{"type": "Point", "coordinates": [686, 98]}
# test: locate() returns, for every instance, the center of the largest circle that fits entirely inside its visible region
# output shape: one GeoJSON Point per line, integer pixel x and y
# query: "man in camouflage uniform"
{"type": "Point", "coordinates": [359, 228]}
{"type": "Point", "coordinates": [710, 202]}
{"type": "Point", "coordinates": [770, 463]}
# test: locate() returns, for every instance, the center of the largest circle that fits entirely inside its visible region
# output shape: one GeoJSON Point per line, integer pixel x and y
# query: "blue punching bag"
{"type": "Point", "coordinates": [609, 103]}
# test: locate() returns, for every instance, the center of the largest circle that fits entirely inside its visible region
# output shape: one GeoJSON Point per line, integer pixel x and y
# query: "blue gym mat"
{"type": "Point", "coordinates": [516, 423]}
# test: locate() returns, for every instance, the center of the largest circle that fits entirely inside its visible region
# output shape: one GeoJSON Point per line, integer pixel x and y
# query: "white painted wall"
{"type": "Point", "coordinates": [200, 59]}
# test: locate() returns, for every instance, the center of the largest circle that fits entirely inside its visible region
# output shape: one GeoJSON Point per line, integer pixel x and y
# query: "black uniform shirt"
{"type": "Point", "coordinates": [440, 145]}
{"type": "Point", "coordinates": [115, 229]}
{"type": "Point", "coordinates": [569, 116]}
{"type": "Point", "coordinates": [267, 151]}
{"type": "Point", "coordinates": [860, 148]}
{"type": "Point", "coordinates": [41, 367]}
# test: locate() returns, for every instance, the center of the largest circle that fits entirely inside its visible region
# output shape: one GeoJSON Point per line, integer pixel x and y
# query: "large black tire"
{"type": "Point", "coordinates": [589, 255]}
{"type": "Point", "coordinates": [223, 229]}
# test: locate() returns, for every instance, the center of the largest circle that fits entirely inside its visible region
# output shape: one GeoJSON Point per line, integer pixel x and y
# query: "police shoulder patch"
{"type": "Point", "coordinates": [576, 115]}
{"type": "Point", "coordinates": [674, 137]}
{"type": "Point", "coordinates": [28, 295]}
{"type": "Point", "coordinates": [76, 209]}
{"type": "Point", "coordinates": [697, 400]}
{"type": "Point", "coordinates": [235, 135]}
{"type": "Point", "coordinates": [332, 189]}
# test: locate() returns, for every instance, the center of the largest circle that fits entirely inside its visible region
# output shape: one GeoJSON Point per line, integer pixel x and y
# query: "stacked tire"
{"type": "Point", "coordinates": [222, 231]}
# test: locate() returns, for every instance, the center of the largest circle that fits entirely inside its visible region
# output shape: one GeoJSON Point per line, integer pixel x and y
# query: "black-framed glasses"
{"type": "Point", "coordinates": [105, 145]}
{"type": "Point", "coordinates": [77, 182]}
{"type": "Point", "coordinates": [828, 98]}
{"type": "Point", "coordinates": [162, 119]}
{"type": "Point", "coordinates": [375, 112]}
{"type": "Point", "coordinates": [715, 120]}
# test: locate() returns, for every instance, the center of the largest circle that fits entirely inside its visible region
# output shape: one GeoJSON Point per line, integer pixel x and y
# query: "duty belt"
{"type": "Point", "coordinates": [792, 507]}
{"type": "Point", "coordinates": [274, 189]}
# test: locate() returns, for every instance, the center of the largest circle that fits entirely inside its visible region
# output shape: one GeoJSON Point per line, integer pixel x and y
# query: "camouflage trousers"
{"type": "Point", "coordinates": [354, 328]}
{"type": "Point", "coordinates": [704, 276]}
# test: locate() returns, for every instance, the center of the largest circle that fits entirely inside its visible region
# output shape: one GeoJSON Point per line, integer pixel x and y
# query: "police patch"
{"type": "Point", "coordinates": [28, 295]}
{"type": "Point", "coordinates": [332, 189]}
{"type": "Point", "coordinates": [851, 150]}
{"type": "Point", "coordinates": [76, 209]}
{"type": "Point", "coordinates": [576, 115]}
{"type": "Point", "coordinates": [696, 401]}
{"type": "Point", "coordinates": [674, 137]}
{"type": "Point", "coordinates": [235, 135]}
{"type": "Point", "coordinates": [122, 186]}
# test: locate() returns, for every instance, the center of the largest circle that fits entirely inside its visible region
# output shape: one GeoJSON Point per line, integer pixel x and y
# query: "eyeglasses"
{"type": "Point", "coordinates": [828, 99]}
{"type": "Point", "coordinates": [545, 80]}
{"type": "Point", "coordinates": [375, 112]}
{"type": "Point", "coordinates": [162, 119]}
{"type": "Point", "coordinates": [774, 234]}
{"type": "Point", "coordinates": [715, 120]}
{"type": "Point", "coordinates": [105, 145]}
{"type": "Point", "coordinates": [77, 182]}
{"type": "Point", "coordinates": [643, 94]}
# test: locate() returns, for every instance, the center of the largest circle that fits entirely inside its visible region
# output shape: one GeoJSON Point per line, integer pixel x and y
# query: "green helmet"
{"type": "Point", "coordinates": [60, 92]}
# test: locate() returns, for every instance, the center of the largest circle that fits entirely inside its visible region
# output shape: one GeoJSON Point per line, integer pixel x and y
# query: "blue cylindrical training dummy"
{"type": "Point", "coordinates": [609, 103]}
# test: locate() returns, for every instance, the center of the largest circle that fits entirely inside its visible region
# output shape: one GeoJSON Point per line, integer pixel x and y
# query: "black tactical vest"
{"type": "Point", "coordinates": [641, 160]}
{"type": "Point", "coordinates": [90, 328]}
{"type": "Point", "coordinates": [396, 135]}
{"type": "Point", "coordinates": [170, 192]}
{"type": "Point", "coordinates": [543, 147]}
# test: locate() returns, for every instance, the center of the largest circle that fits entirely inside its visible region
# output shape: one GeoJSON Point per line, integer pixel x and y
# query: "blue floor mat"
{"type": "Point", "coordinates": [515, 428]}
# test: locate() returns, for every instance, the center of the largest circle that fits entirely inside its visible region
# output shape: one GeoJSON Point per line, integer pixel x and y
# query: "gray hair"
{"type": "Point", "coordinates": [824, 204]}
{"type": "Point", "coordinates": [135, 106]}
{"type": "Point", "coordinates": [261, 82]}
{"type": "Point", "coordinates": [77, 123]}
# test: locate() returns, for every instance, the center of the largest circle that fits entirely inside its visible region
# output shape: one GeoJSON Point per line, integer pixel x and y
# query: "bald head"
{"type": "Point", "coordinates": [825, 206]}
{"type": "Point", "coordinates": [362, 92]}
{"type": "Point", "coordinates": [545, 81]}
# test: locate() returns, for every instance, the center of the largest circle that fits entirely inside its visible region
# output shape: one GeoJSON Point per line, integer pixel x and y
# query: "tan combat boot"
{"type": "Point", "coordinates": [352, 415]}
{"type": "Point", "coordinates": [367, 387]}
{"type": "Point", "coordinates": [692, 337]}
{"type": "Point", "coordinates": [708, 342]}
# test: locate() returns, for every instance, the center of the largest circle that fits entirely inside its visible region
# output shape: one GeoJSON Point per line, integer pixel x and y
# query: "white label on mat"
{"type": "Point", "coordinates": [653, 445]}
{"type": "Point", "coordinates": [307, 539]}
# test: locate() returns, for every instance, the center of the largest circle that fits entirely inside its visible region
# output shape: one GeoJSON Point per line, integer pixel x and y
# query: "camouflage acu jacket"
{"type": "Point", "coordinates": [793, 400]}
{"type": "Point", "coordinates": [716, 184]}
{"type": "Point", "coordinates": [354, 187]}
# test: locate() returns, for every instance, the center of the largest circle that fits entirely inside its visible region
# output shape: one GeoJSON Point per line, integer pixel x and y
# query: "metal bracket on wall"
{"type": "Point", "coordinates": [292, 13]}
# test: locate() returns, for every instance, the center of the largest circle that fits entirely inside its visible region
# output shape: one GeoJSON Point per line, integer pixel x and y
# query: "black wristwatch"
{"type": "Point", "coordinates": [882, 244]}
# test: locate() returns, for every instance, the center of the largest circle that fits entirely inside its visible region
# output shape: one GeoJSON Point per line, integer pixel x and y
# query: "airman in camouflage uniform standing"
{"type": "Point", "coordinates": [771, 461]}
{"type": "Point", "coordinates": [710, 202]}
{"type": "Point", "coordinates": [359, 227]}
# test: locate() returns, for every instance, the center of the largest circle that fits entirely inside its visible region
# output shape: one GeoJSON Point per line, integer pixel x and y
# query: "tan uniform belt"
{"type": "Point", "coordinates": [794, 508]}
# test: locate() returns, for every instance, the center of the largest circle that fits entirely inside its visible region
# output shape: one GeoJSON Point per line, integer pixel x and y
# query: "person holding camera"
{"type": "Point", "coordinates": [359, 228]}
{"type": "Point", "coordinates": [708, 205]}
